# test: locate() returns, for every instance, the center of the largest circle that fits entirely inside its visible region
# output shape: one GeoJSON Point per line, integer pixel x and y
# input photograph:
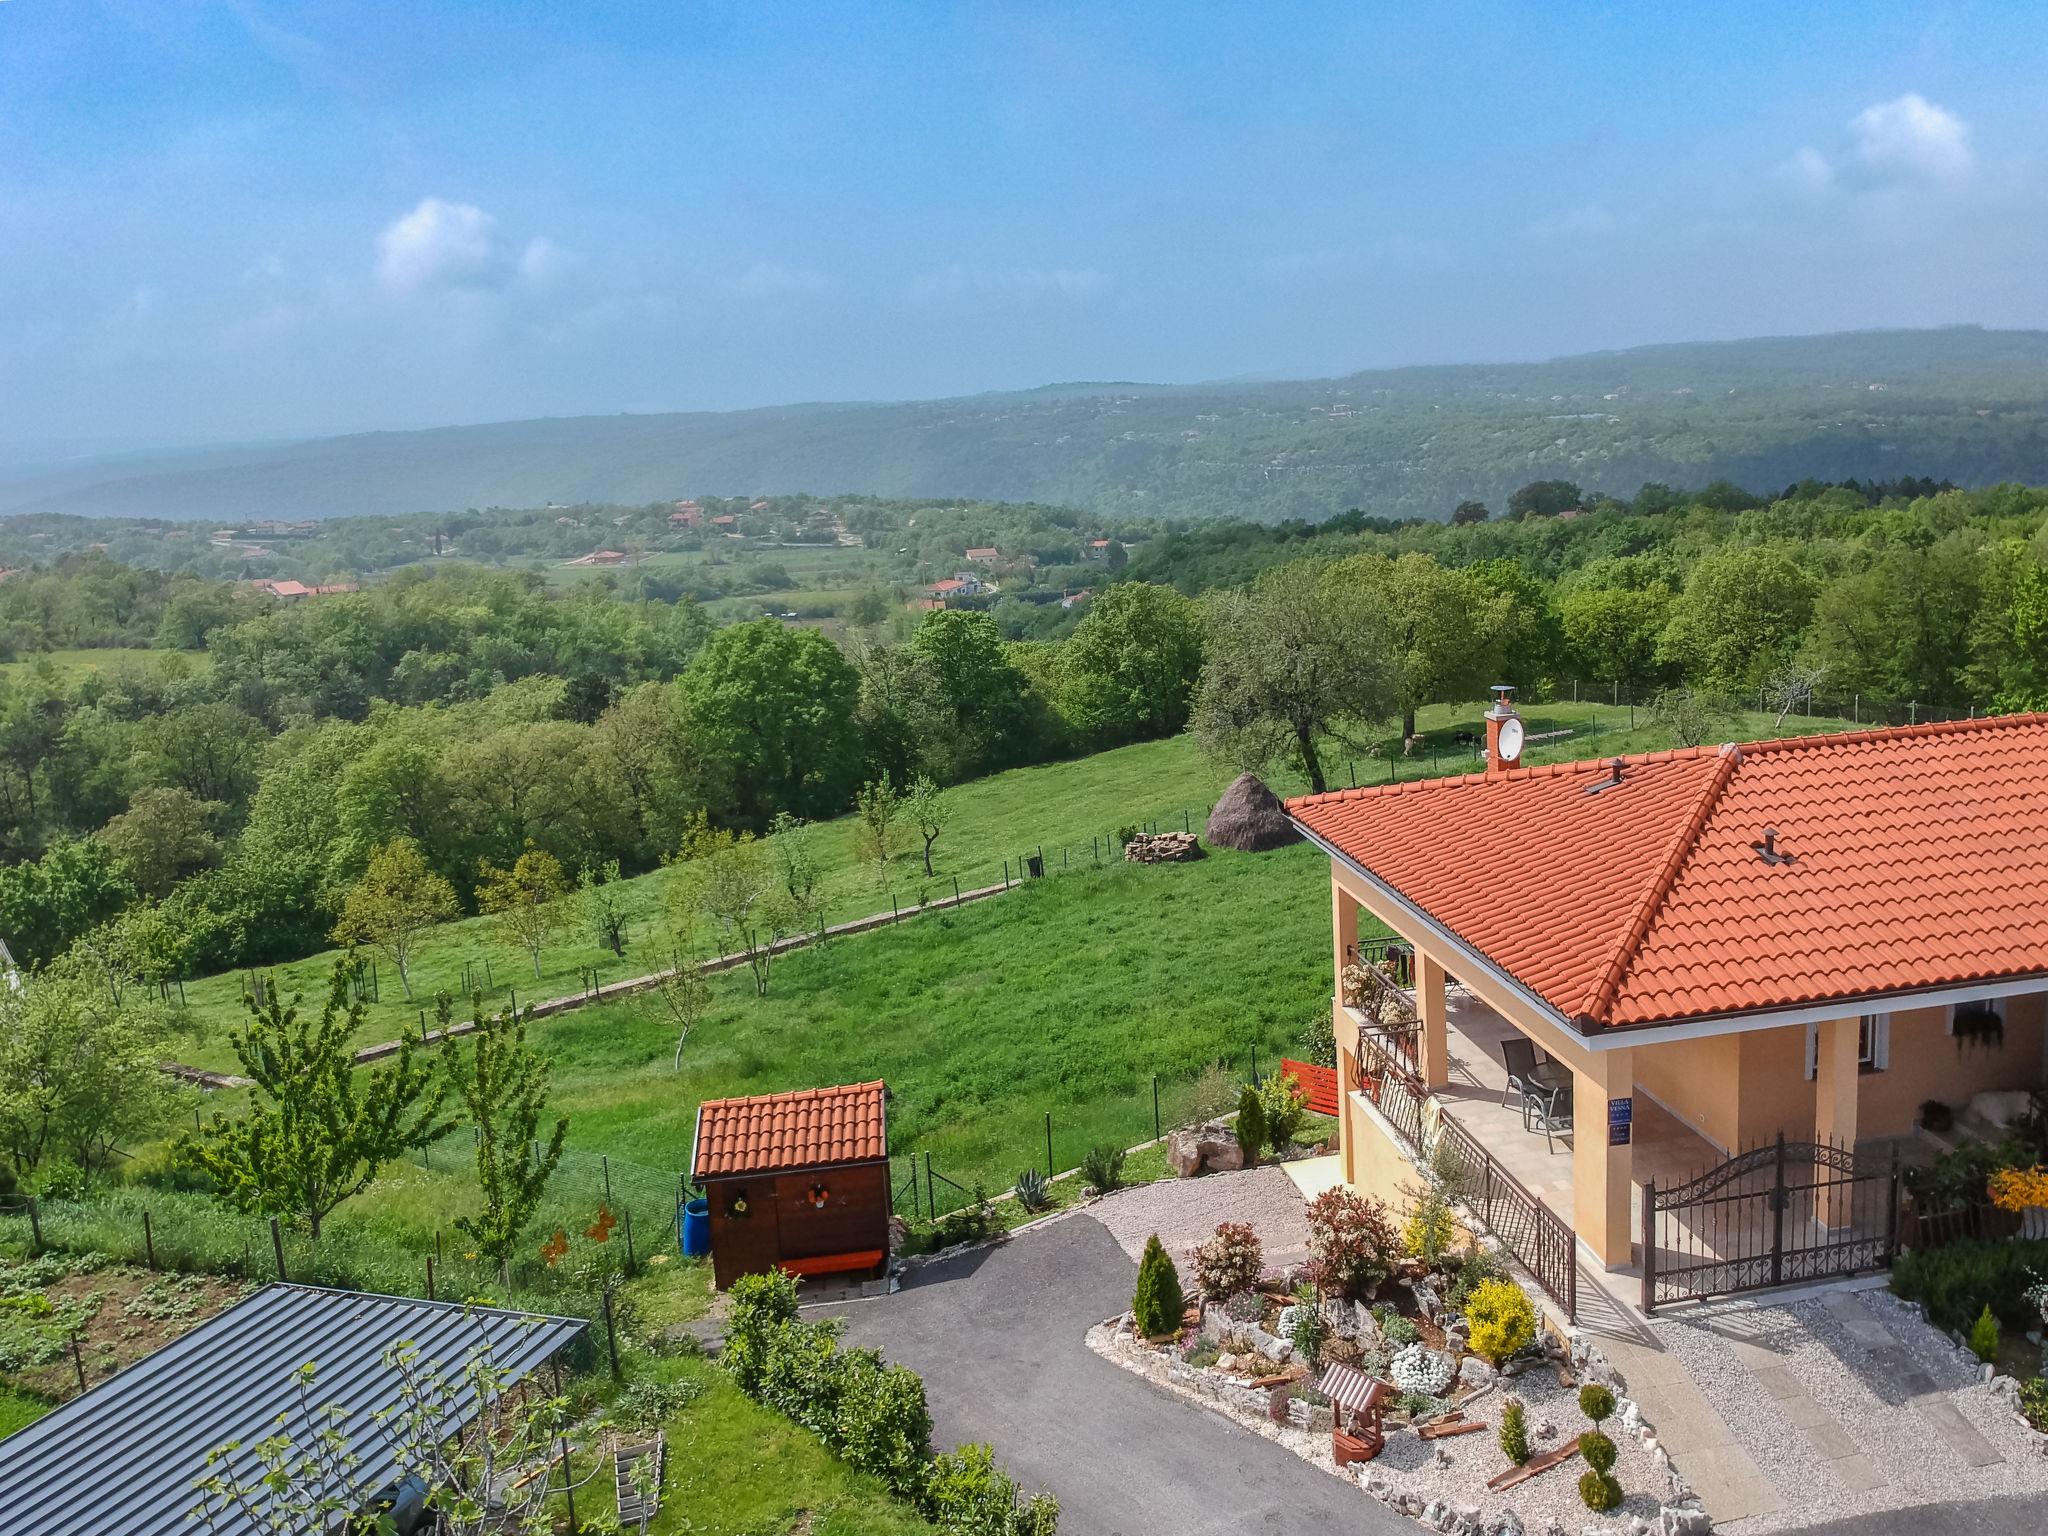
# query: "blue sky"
{"type": "Point", "coordinates": [251, 219]}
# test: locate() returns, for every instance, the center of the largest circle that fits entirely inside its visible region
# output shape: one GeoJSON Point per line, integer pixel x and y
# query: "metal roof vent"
{"type": "Point", "coordinates": [1769, 850]}
{"type": "Point", "coordinates": [1613, 777]}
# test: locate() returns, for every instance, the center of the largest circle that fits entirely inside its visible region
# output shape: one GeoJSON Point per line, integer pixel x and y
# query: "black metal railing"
{"type": "Point", "coordinates": [1536, 1235]}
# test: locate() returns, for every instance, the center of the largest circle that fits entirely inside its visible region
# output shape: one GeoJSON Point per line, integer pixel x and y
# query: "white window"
{"type": "Point", "coordinates": [1873, 1044]}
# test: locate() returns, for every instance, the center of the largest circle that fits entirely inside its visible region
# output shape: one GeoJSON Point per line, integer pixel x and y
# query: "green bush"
{"type": "Point", "coordinates": [1984, 1336]}
{"type": "Point", "coordinates": [1514, 1431]}
{"type": "Point", "coordinates": [1476, 1266]}
{"type": "Point", "coordinates": [1309, 1333]}
{"type": "Point", "coordinates": [1598, 1450]}
{"type": "Point", "coordinates": [1251, 1124]}
{"type": "Point", "coordinates": [760, 1305]}
{"type": "Point", "coordinates": [1157, 1304]}
{"type": "Point", "coordinates": [1601, 1493]}
{"type": "Point", "coordinates": [1955, 1283]}
{"type": "Point", "coordinates": [1104, 1167]}
{"type": "Point", "coordinates": [967, 1494]}
{"type": "Point", "coordinates": [1229, 1264]}
{"type": "Point", "coordinates": [2034, 1402]}
{"type": "Point", "coordinates": [1596, 1402]}
{"type": "Point", "coordinates": [1502, 1320]}
{"type": "Point", "coordinates": [1284, 1104]}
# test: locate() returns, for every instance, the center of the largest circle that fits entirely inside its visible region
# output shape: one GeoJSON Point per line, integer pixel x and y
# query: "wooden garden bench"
{"type": "Point", "coordinates": [833, 1263]}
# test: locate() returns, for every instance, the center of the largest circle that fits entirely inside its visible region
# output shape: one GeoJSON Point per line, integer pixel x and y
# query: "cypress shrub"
{"type": "Point", "coordinates": [1157, 1304]}
{"type": "Point", "coordinates": [1514, 1431]}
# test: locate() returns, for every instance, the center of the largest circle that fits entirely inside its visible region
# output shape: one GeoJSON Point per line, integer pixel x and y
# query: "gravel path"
{"type": "Point", "coordinates": [1851, 1405]}
{"type": "Point", "coordinates": [1185, 1212]}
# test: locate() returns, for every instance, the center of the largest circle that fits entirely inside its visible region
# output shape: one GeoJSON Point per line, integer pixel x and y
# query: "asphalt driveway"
{"type": "Point", "coordinates": [997, 1336]}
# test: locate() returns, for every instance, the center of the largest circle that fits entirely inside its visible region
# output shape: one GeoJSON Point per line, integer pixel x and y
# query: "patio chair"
{"type": "Point", "coordinates": [1549, 1108]}
{"type": "Point", "coordinates": [1518, 1055]}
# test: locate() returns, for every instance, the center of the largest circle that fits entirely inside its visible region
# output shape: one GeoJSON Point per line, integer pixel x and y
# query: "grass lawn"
{"type": "Point", "coordinates": [1070, 810]}
{"type": "Point", "coordinates": [67, 667]}
{"type": "Point", "coordinates": [19, 1409]}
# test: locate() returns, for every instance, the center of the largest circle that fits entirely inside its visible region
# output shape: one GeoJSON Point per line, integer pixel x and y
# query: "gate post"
{"type": "Point", "coordinates": [1778, 1218]}
{"type": "Point", "coordinates": [1891, 1212]}
{"type": "Point", "coordinates": [1649, 1246]}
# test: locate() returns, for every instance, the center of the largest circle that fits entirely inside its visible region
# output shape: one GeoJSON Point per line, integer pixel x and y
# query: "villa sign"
{"type": "Point", "coordinates": [1620, 1113]}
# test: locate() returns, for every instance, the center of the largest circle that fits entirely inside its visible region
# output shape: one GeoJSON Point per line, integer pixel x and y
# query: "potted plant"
{"type": "Point", "coordinates": [1936, 1116]}
{"type": "Point", "coordinates": [1978, 1024]}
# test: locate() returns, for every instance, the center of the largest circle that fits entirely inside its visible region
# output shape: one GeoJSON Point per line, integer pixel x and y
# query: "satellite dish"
{"type": "Point", "coordinates": [1511, 739]}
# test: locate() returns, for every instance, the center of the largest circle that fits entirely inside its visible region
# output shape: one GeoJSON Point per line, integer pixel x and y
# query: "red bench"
{"type": "Point", "coordinates": [834, 1263]}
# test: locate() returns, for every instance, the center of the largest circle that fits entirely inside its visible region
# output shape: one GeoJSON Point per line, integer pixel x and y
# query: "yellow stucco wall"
{"type": "Point", "coordinates": [1926, 1064]}
{"type": "Point", "coordinates": [1699, 1081]}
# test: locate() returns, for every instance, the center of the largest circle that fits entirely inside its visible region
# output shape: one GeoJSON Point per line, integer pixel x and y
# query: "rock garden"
{"type": "Point", "coordinates": [1407, 1359]}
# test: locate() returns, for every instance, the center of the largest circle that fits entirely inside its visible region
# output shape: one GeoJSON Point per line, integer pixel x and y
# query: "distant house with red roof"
{"type": "Point", "coordinates": [725, 520]}
{"type": "Point", "coordinates": [1668, 959]}
{"type": "Point", "coordinates": [600, 557]}
{"type": "Point", "coordinates": [986, 554]}
{"type": "Point", "coordinates": [687, 514]}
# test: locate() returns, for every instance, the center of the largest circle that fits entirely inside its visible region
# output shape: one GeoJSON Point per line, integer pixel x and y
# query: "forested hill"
{"type": "Point", "coordinates": [1962, 404]}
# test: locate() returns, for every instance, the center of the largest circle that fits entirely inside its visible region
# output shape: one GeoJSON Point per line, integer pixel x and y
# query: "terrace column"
{"type": "Point", "coordinates": [1603, 1194]}
{"type": "Point", "coordinates": [1344, 932]}
{"type": "Point", "coordinates": [1836, 1081]}
{"type": "Point", "coordinates": [1435, 1050]}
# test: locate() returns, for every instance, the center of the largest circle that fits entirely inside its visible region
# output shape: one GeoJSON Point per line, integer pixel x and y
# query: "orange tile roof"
{"type": "Point", "coordinates": [1919, 859]}
{"type": "Point", "coordinates": [777, 1132]}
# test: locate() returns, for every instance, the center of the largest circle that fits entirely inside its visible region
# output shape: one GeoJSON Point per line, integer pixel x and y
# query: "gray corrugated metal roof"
{"type": "Point", "coordinates": [123, 1457]}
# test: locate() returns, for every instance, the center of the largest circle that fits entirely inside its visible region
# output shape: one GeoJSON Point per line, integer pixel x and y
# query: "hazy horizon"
{"type": "Point", "coordinates": [241, 222]}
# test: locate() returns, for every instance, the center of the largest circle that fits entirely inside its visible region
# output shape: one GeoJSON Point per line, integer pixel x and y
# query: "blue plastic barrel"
{"type": "Point", "coordinates": [696, 1228]}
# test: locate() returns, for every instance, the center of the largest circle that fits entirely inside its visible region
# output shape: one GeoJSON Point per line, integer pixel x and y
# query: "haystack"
{"type": "Point", "coordinates": [1250, 817]}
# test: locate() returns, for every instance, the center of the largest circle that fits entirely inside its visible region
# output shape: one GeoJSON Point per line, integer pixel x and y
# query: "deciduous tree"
{"type": "Point", "coordinates": [397, 901]}
{"type": "Point", "coordinates": [525, 901]}
{"type": "Point", "coordinates": [503, 1085]}
{"type": "Point", "coordinates": [929, 809]}
{"type": "Point", "coordinates": [315, 1133]}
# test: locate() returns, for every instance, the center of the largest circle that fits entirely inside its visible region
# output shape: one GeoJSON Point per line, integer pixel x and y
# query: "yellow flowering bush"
{"type": "Point", "coordinates": [2014, 1189]}
{"type": "Point", "coordinates": [1500, 1321]}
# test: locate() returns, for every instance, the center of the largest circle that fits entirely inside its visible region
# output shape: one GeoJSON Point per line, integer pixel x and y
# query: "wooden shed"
{"type": "Point", "coordinates": [798, 1181]}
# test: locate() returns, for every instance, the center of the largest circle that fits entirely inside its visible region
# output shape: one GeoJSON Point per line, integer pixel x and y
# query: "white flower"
{"type": "Point", "coordinates": [1419, 1369]}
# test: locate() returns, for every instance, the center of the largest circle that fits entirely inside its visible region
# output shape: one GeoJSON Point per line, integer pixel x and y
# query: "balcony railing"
{"type": "Point", "coordinates": [1536, 1235]}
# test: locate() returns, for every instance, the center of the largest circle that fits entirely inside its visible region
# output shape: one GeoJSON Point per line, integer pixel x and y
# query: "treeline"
{"type": "Point", "coordinates": [236, 806]}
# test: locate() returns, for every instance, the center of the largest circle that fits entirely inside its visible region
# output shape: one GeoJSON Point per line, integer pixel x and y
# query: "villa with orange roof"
{"type": "Point", "coordinates": [1714, 960]}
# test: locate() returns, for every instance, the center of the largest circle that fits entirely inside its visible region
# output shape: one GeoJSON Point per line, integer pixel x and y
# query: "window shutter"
{"type": "Point", "coordinates": [1812, 1051]}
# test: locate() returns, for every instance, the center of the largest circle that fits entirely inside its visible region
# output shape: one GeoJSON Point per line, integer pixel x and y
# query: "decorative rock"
{"type": "Point", "coordinates": [1553, 1527]}
{"type": "Point", "coordinates": [1443, 1456]}
{"type": "Point", "coordinates": [1630, 1415]}
{"type": "Point", "coordinates": [1545, 1430]}
{"type": "Point", "coordinates": [1465, 1520]}
{"type": "Point", "coordinates": [1476, 1373]}
{"type": "Point", "coordinates": [1208, 1148]}
{"type": "Point", "coordinates": [1683, 1521]}
{"type": "Point", "coordinates": [1506, 1523]}
{"type": "Point", "coordinates": [1638, 1526]}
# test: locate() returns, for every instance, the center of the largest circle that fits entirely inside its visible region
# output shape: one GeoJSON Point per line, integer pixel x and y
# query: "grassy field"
{"type": "Point", "coordinates": [66, 667]}
{"type": "Point", "coordinates": [1070, 810]}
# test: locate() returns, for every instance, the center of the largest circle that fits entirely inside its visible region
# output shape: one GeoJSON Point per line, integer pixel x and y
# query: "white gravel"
{"type": "Point", "coordinates": [1185, 1212]}
{"type": "Point", "coordinates": [1863, 1399]}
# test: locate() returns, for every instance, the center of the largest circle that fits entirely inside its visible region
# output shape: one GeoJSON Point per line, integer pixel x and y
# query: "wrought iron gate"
{"type": "Point", "coordinates": [1779, 1214]}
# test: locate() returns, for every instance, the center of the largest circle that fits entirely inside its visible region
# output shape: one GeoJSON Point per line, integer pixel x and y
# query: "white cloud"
{"type": "Point", "coordinates": [1903, 143]}
{"type": "Point", "coordinates": [444, 245]}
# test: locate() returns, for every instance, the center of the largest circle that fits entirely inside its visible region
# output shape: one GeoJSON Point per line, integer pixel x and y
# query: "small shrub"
{"type": "Point", "coordinates": [1245, 1307]}
{"type": "Point", "coordinates": [1251, 1124]}
{"type": "Point", "coordinates": [1033, 1192]}
{"type": "Point", "coordinates": [1601, 1493]}
{"type": "Point", "coordinates": [1284, 1103]}
{"type": "Point", "coordinates": [1395, 1328]}
{"type": "Point", "coordinates": [1514, 1431]}
{"type": "Point", "coordinates": [1229, 1263]}
{"type": "Point", "coordinates": [1984, 1336]}
{"type": "Point", "coordinates": [1598, 1450]}
{"type": "Point", "coordinates": [1319, 1038]}
{"type": "Point", "coordinates": [1157, 1304]}
{"type": "Point", "coordinates": [2034, 1402]}
{"type": "Point", "coordinates": [1596, 1402]}
{"type": "Point", "coordinates": [1418, 1368]}
{"type": "Point", "coordinates": [1124, 834]}
{"type": "Point", "coordinates": [1309, 1333]}
{"type": "Point", "coordinates": [1501, 1319]}
{"type": "Point", "coordinates": [649, 1404]}
{"type": "Point", "coordinates": [1476, 1266]}
{"type": "Point", "coordinates": [967, 1494]}
{"type": "Point", "coordinates": [760, 1304]}
{"type": "Point", "coordinates": [1956, 1281]}
{"type": "Point", "coordinates": [1104, 1167]}
{"type": "Point", "coordinates": [1351, 1243]}
{"type": "Point", "coordinates": [1431, 1227]}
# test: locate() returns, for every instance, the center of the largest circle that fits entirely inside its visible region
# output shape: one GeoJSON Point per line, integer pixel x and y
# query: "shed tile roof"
{"type": "Point", "coordinates": [1919, 860]}
{"type": "Point", "coordinates": [776, 1132]}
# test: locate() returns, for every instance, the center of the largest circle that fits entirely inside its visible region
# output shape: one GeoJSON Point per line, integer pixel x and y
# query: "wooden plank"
{"type": "Point", "coordinates": [1445, 1431]}
{"type": "Point", "coordinates": [1536, 1465]}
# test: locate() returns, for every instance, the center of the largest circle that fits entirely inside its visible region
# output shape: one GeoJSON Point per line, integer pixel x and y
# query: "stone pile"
{"type": "Point", "coordinates": [1207, 1148]}
{"type": "Point", "coordinates": [1163, 848]}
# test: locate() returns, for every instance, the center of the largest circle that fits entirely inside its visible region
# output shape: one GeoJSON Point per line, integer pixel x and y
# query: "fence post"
{"type": "Point", "coordinates": [956, 890]}
{"type": "Point", "coordinates": [77, 1360]}
{"type": "Point", "coordinates": [931, 1199]}
{"type": "Point", "coordinates": [148, 1241]}
{"type": "Point", "coordinates": [1255, 1064]}
{"type": "Point", "coordinates": [1048, 1143]}
{"type": "Point", "coordinates": [1649, 1247]}
{"type": "Point", "coordinates": [277, 1245]}
{"type": "Point", "coordinates": [1155, 1106]}
{"type": "Point", "coordinates": [1778, 1218]}
{"type": "Point", "coordinates": [632, 1263]}
{"type": "Point", "coordinates": [430, 1277]}
{"type": "Point", "coordinates": [611, 1341]}
{"type": "Point", "coordinates": [605, 1159]}
{"type": "Point", "coordinates": [35, 1226]}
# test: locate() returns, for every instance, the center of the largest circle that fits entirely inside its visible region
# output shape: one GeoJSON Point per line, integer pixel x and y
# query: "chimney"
{"type": "Point", "coordinates": [1503, 730]}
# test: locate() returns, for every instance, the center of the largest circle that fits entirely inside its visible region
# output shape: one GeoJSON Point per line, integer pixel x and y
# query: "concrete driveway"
{"type": "Point", "coordinates": [997, 1336]}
